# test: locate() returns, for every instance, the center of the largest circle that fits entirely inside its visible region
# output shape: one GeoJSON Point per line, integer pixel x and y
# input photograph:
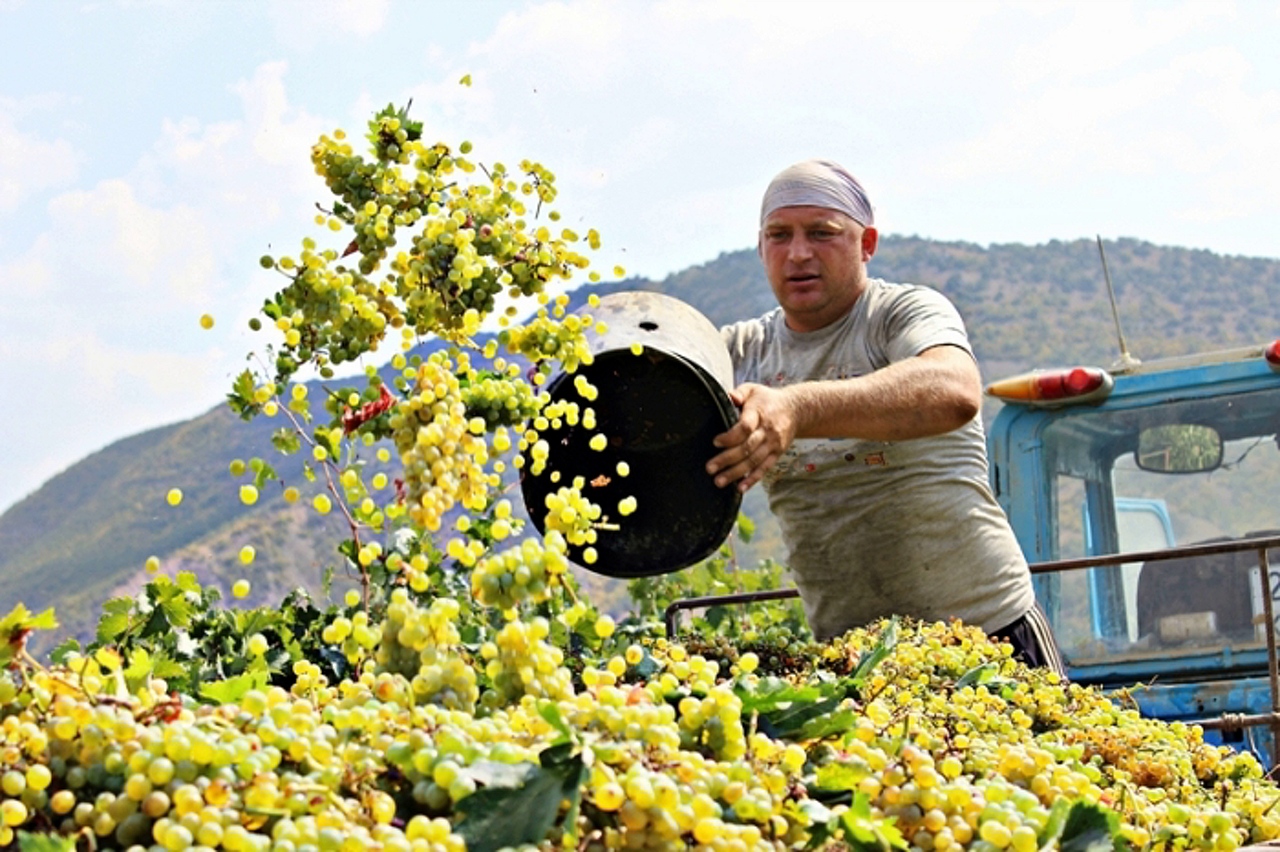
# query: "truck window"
{"type": "Point", "coordinates": [1203, 605]}
{"type": "Point", "coordinates": [1073, 620]}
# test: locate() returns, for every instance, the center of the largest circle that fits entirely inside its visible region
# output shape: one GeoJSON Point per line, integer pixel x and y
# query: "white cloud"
{"type": "Point", "coordinates": [245, 168]}
{"type": "Point", "coordinates": [30, 164]}
{"type": "Point", "coordinates": [112, 289]}
{"type": "Point", "coordinates": [312, 22]}
{"type": "Point", "coordinates": [105, 248]}
{"type": "Point", "coordinates": [1192, 121]}
{"type": "Point", "coordinates": [82, 392]}
{"type": "Point", "coordinates": [1089, 39]}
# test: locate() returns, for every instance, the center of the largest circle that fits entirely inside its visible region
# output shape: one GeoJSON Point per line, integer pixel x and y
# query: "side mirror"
{"type": "Point", "coordinates": [1179, 448]}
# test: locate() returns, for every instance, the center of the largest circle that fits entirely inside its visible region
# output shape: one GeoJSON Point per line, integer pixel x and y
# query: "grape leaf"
{"type": "Point", "coordinates": [231, 690]}
{"type": "Point", "coordinates": [17, 626]}
{"type": "Point", "coordinates": [139, 667]}
{"type": "Point", "coordinates": [178, 611]}
{"type": "Point", "coordinates": [773, 692]}
{"type": "Point", "coordinates": [888, 640]}
{"type": "Point", "coordinates": [551, 713]}
{"type": "Point", "coordinates": [241, 397]}
{"type": "Point", "coordinates": [28, 842]}
{"type": "Point", "coordinates": [187, 581]}
{"type": "Point", "coordinates": [791, 722]}
{"type": "Point", "coordinates": [115, 620]}
{"type": "Point", "coordinates": [839, 775]}
{"type": "Point", "coordinates": [864, 832]}
{"type": "Point", "coordinates": [987, 674]}
{"type": "Point", "coordinates": [263, 474]}
{"type": "Point", "coordinates": [286, 440]}
{"type": "Point", "coordinates": [64, 649]}
{"type": "Point", "coordinates": [1082, 827]}
{"type": "Point", "coordinates": [496, 774]}
{"type": "Point", "coordinates": [498, 817]}
{"type": "Point", "coordinates": [828, 725]}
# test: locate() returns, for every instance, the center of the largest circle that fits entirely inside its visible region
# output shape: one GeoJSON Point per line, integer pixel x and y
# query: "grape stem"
{"type": "Point", "coordinates": [329, 466]}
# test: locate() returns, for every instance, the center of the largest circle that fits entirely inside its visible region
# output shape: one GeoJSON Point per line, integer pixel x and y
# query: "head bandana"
{"type": "Point", "coordinates": [818, 183]}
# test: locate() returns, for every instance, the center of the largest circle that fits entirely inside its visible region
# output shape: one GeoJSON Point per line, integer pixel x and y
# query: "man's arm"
{"type": "Point", "coordinates": [934, 392]}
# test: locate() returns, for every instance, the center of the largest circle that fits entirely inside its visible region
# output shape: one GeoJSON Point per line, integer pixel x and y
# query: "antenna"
{"type": "Point", "coordinates": [1126, 360]}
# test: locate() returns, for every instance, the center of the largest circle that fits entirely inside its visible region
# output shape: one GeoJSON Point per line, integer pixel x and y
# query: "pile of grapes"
{"type": "Point", "coordinates": [466, 695]}
{"type": "Point", "coordinates": [920, 736]}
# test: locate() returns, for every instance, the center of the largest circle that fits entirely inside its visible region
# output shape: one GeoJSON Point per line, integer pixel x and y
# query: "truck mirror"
{"type": "Point", "coordinates": [1179, 448]}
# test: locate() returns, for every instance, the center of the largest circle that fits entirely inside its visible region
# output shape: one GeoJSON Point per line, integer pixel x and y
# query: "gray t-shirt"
{"type": "Point", "coordinates": [881, 528]}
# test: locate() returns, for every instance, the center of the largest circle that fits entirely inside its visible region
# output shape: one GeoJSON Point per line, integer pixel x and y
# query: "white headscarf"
{"type": "Point", "coordinates": [818, 183]}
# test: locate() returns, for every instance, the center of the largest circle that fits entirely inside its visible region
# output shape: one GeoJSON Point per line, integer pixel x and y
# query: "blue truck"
{"type": "Point", "coordinates": [1144, 497]}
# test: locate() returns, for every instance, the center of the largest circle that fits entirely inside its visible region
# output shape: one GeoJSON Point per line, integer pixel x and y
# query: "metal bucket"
{"type": "Point", "coordinates": [659, 410]}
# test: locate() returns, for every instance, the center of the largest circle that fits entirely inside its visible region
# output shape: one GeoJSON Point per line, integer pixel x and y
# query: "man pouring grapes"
{"type": "Point", "coordinates": [860, 414]}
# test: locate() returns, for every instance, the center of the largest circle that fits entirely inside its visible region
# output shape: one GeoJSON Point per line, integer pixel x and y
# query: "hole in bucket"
{"type": "Point", "coordinates": [648, 325]}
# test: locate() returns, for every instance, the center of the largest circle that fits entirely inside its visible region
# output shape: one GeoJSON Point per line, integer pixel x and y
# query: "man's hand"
{"type": "Point", "coordinates": [765, 429]}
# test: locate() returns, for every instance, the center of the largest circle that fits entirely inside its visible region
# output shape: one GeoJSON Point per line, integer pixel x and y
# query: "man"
{"type": "Point", "coordinates": [860, 412]}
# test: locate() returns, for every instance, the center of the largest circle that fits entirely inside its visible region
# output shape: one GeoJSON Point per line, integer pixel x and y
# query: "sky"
{"type": "Point", "coordinates": [150, 152]}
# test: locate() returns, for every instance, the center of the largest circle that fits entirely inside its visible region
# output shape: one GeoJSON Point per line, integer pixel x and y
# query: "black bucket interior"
{"type": "Point", "coordinates": [659, 413]}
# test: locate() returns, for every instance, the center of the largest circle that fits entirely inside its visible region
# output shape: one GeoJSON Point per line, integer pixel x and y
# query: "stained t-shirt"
{"type": "Point", "coordinates": [881, 528]}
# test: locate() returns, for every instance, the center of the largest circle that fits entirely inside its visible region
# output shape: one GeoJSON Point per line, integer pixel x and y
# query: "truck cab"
{"type": "Point", "coordinates": [1176, 458]}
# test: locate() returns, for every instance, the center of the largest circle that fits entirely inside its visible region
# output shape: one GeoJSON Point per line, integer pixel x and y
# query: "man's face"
{"type": "Point", "coordinates": [816, 262]}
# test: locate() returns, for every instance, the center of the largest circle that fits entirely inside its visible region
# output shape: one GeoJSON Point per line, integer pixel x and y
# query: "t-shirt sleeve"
{"type": "Point", "coordinates": [745, 342]}
{"type": "Point", "coordinates": [920, 318]}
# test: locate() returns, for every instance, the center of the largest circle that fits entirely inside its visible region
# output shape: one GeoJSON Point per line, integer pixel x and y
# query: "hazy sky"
{"type": "Point", "coordinates": [150, 152]}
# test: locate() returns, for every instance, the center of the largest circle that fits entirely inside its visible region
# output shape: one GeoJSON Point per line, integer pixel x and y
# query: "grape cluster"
{"type": "Point", "coordinates": [467, 240]}
{"type": "Point", "coordinates": [443, 451]}
{"type": "Point", "coordinates": [500, 401]}
{"type": "Point", "coordinates": [525, 573]}
{"type": "Point", "coordinates": [420, 650]}
{"type": "Point", "coordinates": [519, 661]}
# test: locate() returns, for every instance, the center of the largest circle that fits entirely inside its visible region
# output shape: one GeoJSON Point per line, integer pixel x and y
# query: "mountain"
{"type": "Point", "coordinates": [85, 534]}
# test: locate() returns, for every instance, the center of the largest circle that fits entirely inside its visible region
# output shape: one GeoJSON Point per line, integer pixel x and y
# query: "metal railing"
{"type": "Point", "coordinates": [1225, 722]}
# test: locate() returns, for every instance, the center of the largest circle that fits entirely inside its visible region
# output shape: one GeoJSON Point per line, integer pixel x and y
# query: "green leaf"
{"type": "Point", "coordinates": [28, 842]}
{"type": "Point", "coordinates": [58, 656]}
{"type": "Point", "coordinates": [789, 723]}
{"type": "Point", "coordinates": [498, 817]}
{"type": "Point", "coordinates": [1085, 828]}
{"type": "Point", "coordinates": [286, 440]}
{"type": "Point", "coordinates": [139, 667]}
{"type": "Point", "coordinates": [866, 833]}
{"type": "Point", "coordinates": [176, 608]}
{"type": "Point", "coordinates": [231, 690]}
{"type": "Point", "coordinates": [250, 621]}
{"type": "Point", "coordinates": [839, 775]}
{"type": "Point", "coordinates": [770, 693]}
{"type": "Point", "coordinates": [187, 581]}
{"type": "Point", "coordinates": [162, 665]}
{"type": "Point", "coordinates": [884, 647]}
{"type": "Point", "coordinates": [115, 620]}
{"type": "Point", "coordinates": [986, 674]}
{"type": "Point", "coordinates": [828, 725]}
{"type": "Point", "coordinates": [17, 626]}
{"type": "Point", "coordinates": [493, 773]}
{"type": "Point", "coordinates": [648, 666]}
{"type": "Point", "coordinates": [265, 473]}
{"type": "Point", "coordinates": [551, 713]}
{"type": "Point", "coordinates": [241, 397]}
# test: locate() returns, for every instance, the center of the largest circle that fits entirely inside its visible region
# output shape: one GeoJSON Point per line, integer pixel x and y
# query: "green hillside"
{"type": "Point", "coordinates": [86, 533]}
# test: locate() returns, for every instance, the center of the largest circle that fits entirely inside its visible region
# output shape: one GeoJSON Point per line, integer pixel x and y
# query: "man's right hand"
{"type": "Point", "coordinates": [765, 429]}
